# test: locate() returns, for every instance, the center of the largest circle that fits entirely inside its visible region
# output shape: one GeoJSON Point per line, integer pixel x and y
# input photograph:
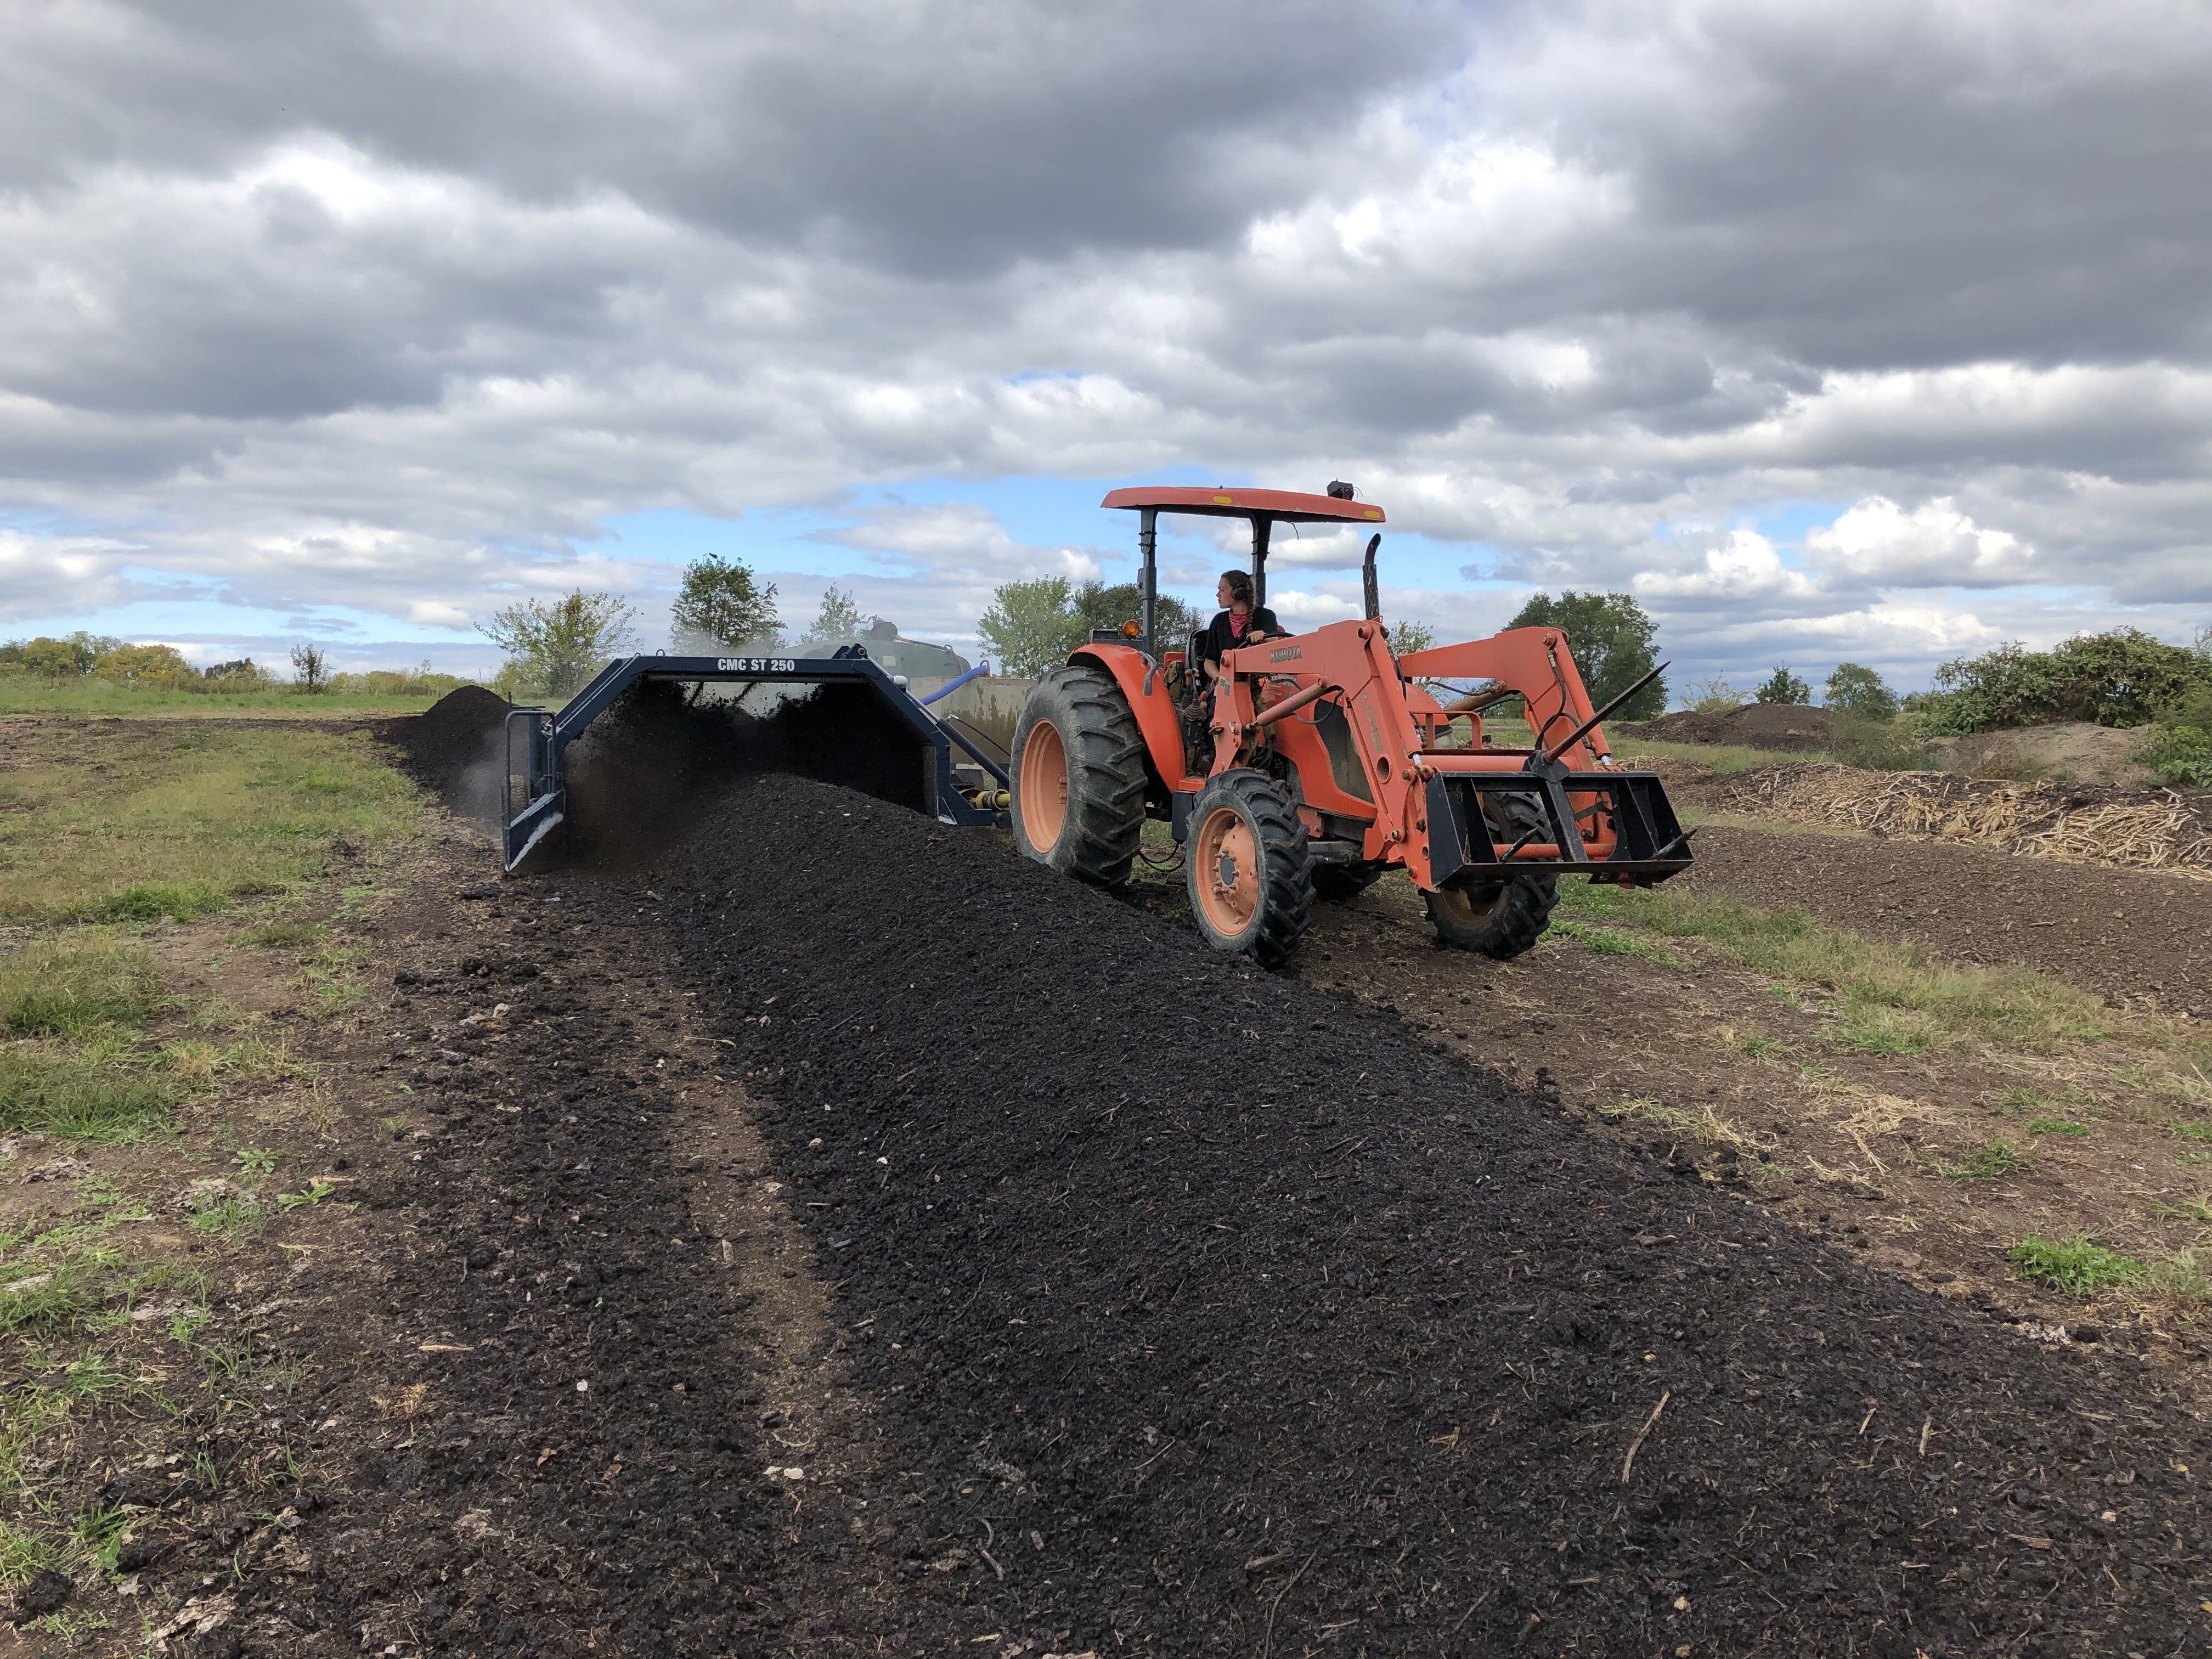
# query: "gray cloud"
{"type": "Point", "coordinates": [390, 306]}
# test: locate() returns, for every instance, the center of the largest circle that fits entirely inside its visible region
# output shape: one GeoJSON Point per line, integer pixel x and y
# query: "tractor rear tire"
{"type": "Point", "coordinates": [1499, 920]}
{"type": "Point", "coordinates": [1245, 867]}
{"type": "Point", "coordinates": [1078, 776]}
{"type": "Point", "coordinates": [1345, 881]}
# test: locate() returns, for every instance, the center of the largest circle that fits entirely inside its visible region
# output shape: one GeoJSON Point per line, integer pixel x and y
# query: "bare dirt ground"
{"type": "Point", "coordinates": [2132, 937]}
{"type": "Point", "coordinates": [1757, 1089]}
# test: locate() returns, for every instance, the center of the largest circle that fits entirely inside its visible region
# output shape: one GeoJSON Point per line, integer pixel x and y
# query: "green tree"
{"type": "Point", "coordinates": [1784, 687]}
{"type": "Point", "coordinates": [1853, 689]}
{"type": "Point", "coordinates": [838, 623]}
{"type": "Point", "coordinates": [61, 659]}
{"type": "Point", "coordinates": [310, 672]}
{"type": "Point", "coordinates": [721, 605]}
{"type": "Point", "coordinates": [1407, 637]}
{"type": "Point", "coordinates": [1097, 605]}
{"type": "Point", "coordinates": [1610, 635]}
{"type": "Point", "coordinates": [151, 664]}
{"type": "Point", "coordinates": [1031, 626]}
{"type": "Point", "coordinates": [553, 648]}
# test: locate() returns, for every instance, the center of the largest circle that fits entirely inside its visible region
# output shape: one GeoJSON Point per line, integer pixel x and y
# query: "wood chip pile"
{"type": "Point", "coordinates": [2161, 831]}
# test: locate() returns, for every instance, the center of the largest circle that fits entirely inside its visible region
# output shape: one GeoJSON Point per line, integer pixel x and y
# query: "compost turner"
{"type": "Point", "coordinates": [969, 788]}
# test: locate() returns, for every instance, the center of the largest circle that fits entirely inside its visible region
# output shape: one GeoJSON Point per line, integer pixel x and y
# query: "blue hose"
{"type": "Point", "coordinates": [946, 690]}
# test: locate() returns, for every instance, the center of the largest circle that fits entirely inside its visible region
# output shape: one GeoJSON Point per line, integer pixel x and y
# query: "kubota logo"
{"type": "Point", "coordinates": [1285, 654]}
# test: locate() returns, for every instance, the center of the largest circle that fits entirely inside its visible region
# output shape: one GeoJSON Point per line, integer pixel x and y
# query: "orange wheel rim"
{"type": "Point", "coordinates": [1044, 785]}
{"type": "Point", "coordinates": [1228, 857]}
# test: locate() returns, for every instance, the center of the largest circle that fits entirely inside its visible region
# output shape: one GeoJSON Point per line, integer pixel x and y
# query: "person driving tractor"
{"type": "Point", "coordinates": [1239, 623]}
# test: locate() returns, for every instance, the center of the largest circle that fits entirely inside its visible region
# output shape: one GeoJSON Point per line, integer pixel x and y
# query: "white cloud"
{"type": "Point", "coordinates": [1935, 543]}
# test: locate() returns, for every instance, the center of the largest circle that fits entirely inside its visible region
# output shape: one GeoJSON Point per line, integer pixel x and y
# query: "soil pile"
{"type": "Point", "coordinates": [644, 770]}
{"type": "Point", "coordinates": [1200, 1312]}
{"type": "Point", "coordinates": [452, 747]}
{"type": "Point", "coordinates": [1785, 726]}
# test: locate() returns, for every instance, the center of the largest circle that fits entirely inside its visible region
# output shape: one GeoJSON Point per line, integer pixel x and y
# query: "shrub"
{"type": "Point", "coordinates": [1715, 696]}
{"type": "Point", "coordinates": [2118, 678]}
{"type": "Point", "coordinates": [1877, 746]}
{"type": "Point", "coordinates": [1856, 690]}
{"type": "Point", "coordinates": [1783, 687]}
{"type": "Point", "coordinates": [2179, 753]}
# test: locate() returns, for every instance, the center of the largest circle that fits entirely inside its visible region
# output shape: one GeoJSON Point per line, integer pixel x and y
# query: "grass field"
{"type": "Point", "coordinates": [33, 694]}
{"type": "Point", "coordinates": [157, 823]}
{"type": "Point", "coordinates": [1720, 756]}
{"type": "Point", "coordinates": [161, 1117]}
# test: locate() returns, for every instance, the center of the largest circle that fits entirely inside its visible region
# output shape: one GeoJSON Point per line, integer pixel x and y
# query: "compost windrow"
{"type": "Point", "coordinates": [1204, 1313]}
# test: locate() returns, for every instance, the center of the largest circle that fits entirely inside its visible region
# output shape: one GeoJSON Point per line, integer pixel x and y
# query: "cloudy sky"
{"type": "Point", "coordinates": [1861, 330]}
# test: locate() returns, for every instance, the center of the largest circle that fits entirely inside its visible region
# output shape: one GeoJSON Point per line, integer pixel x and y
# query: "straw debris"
{"type": "Point", "coordinates": [2161, 831]}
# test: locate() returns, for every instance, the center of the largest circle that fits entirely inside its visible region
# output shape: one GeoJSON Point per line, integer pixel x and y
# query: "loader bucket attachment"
{"type": "Point", "coordinates": [536, 814]}
{"type": "Point", "coordinates": [1648, 843]}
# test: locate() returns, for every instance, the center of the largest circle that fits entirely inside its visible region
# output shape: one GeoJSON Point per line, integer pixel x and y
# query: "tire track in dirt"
{"type": "Point", "coordinates": [552, 1435]}
{"type": "Point", "coordinates": [1244, 1322]}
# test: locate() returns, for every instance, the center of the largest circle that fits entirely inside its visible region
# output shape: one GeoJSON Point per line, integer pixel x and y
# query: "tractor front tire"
{"type": "Point", "coordinates": [1078, 776]}
{"type": "Point", "coordinates": [1345, 881]}
{"type": "Point", "coordinates": [1245, 866]}
{"type": "Point", "coordinates": [1499, 920]}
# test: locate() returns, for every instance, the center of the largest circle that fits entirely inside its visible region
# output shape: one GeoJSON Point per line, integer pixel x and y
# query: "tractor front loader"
{"type": "Point", "coordinates": [1316, 762]}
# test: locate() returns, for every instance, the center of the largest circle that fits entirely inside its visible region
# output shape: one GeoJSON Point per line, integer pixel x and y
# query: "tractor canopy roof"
{"type": "Point", "coordinates": [1284, 505]}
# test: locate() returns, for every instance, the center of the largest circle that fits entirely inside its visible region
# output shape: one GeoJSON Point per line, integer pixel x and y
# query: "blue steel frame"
{"type": "Point", "coordinates": [546, 735]}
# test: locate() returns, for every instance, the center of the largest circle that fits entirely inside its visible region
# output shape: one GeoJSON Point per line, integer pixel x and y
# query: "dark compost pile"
{"type": "Point", "coordinates": [1273, 1325]}
{"type": "Point", "coordinates": [452, 747]}
{"type": "Point", "coordinates": [1785, 726]}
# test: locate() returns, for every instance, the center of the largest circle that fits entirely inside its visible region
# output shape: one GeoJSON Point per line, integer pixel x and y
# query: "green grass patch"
{"type": "Point", "coordinates": [168, 824]}
{"type": "Point", "coordinates": [2079, 1267]}
{"type": "Point", "coordinates": [56, 989]}
{"type": "Point", "coordinates": [2184, 1274]}
{"type": "Point", "coordinates": [1720, 756]}
{"type": "Point", "coordinates": [160, 901]}
{"type": "Point", "coordinates": [1993, 1160]}
{"type": "Point", "coordinates": [98, 1091]}
{"type": "Point", "coordinates": [25, 1554]}
{"type": "Point", "coordinates": [2192, 1130]}
{"type": "Point", "coordinates": [2011, 1005]}
{"type": "Point", "coordinates": [231, 1219]}
{"type": "Point", "coordinates": [2198, 1209]}
{"type": "Point", "coordinates": [286, 935]}
{"type": "Point", "coordinates": [1872, 1028]}
{"type": "Point", "coordinates": [1614, 942]}
{"type": "Point", "coordinates": [2058, 1126]}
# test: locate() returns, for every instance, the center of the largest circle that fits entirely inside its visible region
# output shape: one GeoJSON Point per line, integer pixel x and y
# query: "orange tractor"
{"type": "Point", "coordinates": [1316, 761]}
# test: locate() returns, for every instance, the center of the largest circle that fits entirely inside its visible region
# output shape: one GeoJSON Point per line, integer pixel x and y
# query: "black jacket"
{"type": "Point", "coordinates": [1215, 638]}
